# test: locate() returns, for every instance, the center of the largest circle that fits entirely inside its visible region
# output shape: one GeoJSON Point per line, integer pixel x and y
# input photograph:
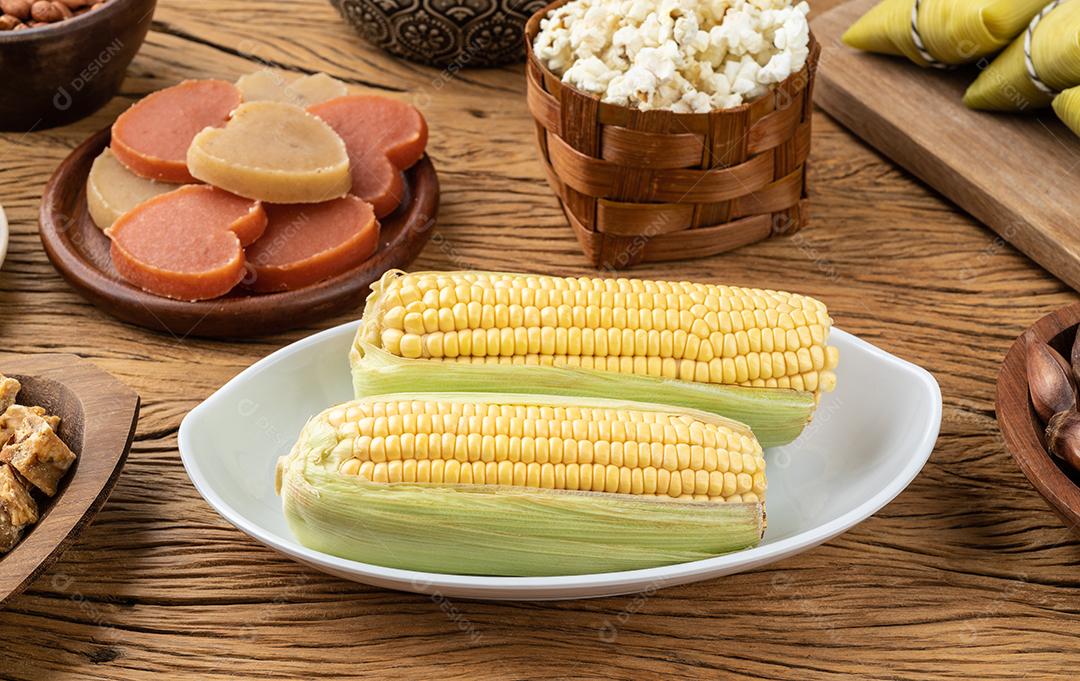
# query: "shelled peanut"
{"type": "Point", "coordinates": [1052, 384]}
{"type": "Point", "coordinates": [22, 14]}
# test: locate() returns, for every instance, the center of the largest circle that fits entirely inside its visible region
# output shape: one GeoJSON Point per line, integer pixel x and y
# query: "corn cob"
{"type": "Point", "coordinates": [522, 484]}
{"type": "Point", "coordinates": [695, 345]}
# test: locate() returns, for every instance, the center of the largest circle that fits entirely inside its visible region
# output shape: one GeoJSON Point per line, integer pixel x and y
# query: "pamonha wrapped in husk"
{"type": "Point", "coordinates": [1006, 84]}
{"type": "Point", "coordinates": [1067, 107]}
{"type": "Point", "coordinates": [952, 31]}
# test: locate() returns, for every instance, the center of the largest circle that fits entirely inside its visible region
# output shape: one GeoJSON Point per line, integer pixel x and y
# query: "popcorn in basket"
{"type": "Point", "coordinates": [673, 128]}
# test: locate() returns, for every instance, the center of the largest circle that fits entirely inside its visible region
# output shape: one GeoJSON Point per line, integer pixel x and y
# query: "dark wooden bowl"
{"type": "Point", "coordinates": [1020, 425]}
{"type": "Point", "coordinates": [97, 421]}
{"type": "Point", "coordinates": [80, 252]}
{"type": "Point", "coordinates": [459, 34]}
{"type": "Point", "coordinates": [59, 73]}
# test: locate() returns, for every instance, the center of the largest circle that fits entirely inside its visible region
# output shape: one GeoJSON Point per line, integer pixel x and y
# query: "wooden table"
{"type": "Point", "coordinates": [966, 575]}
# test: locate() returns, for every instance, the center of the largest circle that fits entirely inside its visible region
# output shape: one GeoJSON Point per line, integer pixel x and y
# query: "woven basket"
{"type": "Point", "coordinates": [648, 186]}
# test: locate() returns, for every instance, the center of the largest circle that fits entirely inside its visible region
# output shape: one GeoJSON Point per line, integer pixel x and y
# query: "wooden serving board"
{"type": "Point", "coordinates": [97, 421]}
{"type": "Point", "coordinates": [80, 252]}
{"type": "Point", "coordinates": [1019, 174]}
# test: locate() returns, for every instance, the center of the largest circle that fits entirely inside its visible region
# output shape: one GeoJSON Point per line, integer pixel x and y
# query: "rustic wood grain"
{"type": "Point", "coordinates": [967, 575]}
{"type": "Point", "coordinates": [1015, 173]}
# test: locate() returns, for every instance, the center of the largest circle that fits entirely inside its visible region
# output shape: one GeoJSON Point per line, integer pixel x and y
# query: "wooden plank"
{"type": "Point", "coordinates": [1017, 174]}
{"type": "Point", "coordinates": [966, 575]}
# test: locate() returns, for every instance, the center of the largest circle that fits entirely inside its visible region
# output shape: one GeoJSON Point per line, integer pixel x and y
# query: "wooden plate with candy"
{"type": "Point", "coordinates": [141, 257]}
{"type": "Point", "coordinates": [94, 415]}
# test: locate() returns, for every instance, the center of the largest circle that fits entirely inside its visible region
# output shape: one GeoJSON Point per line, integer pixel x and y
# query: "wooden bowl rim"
{"type": "Point", "coordinates": [255, 314]}
{"type": "Point", "coordinates": [110, 411]}
{"type": "Point", "coordinates": [68, 26]}
{"type": "Point", "coordinates": [1016, 421]}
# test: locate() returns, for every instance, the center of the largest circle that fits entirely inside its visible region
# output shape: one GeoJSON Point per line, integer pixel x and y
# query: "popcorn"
{"type": "Point", "coordinates": [688, 56]}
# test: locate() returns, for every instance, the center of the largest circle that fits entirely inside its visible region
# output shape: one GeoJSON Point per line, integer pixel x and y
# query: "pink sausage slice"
{"type": "Point", "coordinates": [187, 244]}
{"type": "Point", "coordinates": [383, 137]}
{"type": "Point", "coordinates": [152, 137]}
{"type": "Point", "coordinates": [306, 243]}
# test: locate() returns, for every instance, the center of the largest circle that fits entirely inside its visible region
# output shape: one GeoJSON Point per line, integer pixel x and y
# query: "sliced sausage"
{"type": "Point", "coordinates": [112, 189]}
{"type": "Point", "coordinates": [187, 244]}
{"type": "Point", "coordinates": [384, 137]}
{"type": "Point", "coordinates": [152, 137]}
{"type": "Point", "coordinates": [271, 151]}
{"type": "Point", "coordinates": [307, 243]}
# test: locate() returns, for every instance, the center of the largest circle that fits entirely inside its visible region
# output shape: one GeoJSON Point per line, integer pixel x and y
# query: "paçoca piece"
{"type": "Point", "coordinates": [38, 453]}
{"type": "Point", "coordinates": [680, 55]}
{"type": "Point", "coordinates": [17, 508]}
{"type": "Point", "coordinates": [275, 152]}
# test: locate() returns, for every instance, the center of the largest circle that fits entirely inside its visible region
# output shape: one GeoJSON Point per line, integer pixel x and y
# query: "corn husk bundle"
{"type": "Point", "coordinates": [952, 31]}
{"type": "Point", "coordinates": [1067, 107]}
{"type": "Point", "coordinates": [1006, 85]}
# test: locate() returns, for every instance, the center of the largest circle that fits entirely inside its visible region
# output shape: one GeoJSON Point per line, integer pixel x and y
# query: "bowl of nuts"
{"type": "Point", "coordinates": [63, 59]}
{"type": "Point", "coordinates": [1037, 409]}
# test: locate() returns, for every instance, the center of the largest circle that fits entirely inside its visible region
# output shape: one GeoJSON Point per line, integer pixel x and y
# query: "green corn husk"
{"type": "Point", "coordinates": [953, 31]}
{"type": "Point", "coordinates": [1055, 51]}
{"type": "Point", "coordinates": [776, 415]}
{"type": "Point", "coordinates": [494, 530]}
{"type": "Point", "coordinates": [1067, 107]}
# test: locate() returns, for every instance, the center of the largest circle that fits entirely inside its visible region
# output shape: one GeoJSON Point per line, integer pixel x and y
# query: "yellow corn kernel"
{"type": "Point", "coordinates": [701, 333]}
{"type": "Point", "coordinates": [595, 448]}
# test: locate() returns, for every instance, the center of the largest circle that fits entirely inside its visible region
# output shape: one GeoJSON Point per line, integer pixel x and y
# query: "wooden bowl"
{"type": "Point", "coordinates": [97, 421]}
{"type": "Point", "coordinates": [59, 73]}
{"type": "Point", "coordinates": [1020, 425]}
{"type": "Point", "coordinates": [80, 252]}
{"type": "Point", "coordinates": [443, 33]}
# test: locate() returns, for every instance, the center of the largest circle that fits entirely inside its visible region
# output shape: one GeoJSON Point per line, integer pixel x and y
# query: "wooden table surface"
{"type": "Point", "coordinates": [967, 575]}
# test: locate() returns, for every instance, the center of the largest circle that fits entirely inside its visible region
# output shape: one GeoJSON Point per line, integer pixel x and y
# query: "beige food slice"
{"type": "Point", "coordinates": [274, 86]}
{"type": "Point", "coordinates": [112, 189]}
{"type": "Point", "coordinates": [274, 152]}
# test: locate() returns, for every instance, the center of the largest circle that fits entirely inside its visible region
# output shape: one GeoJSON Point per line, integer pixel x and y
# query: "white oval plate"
{"type": "Point", "coordinates": [868, 440]}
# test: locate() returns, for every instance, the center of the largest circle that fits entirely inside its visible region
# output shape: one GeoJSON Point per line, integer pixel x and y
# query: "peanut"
{"type": "Point", "coordinates": [20, 9]}
{"type": "Point", "coordinates": [17, 15]}
{"type": "Point", "coordinates": [45, 11]}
